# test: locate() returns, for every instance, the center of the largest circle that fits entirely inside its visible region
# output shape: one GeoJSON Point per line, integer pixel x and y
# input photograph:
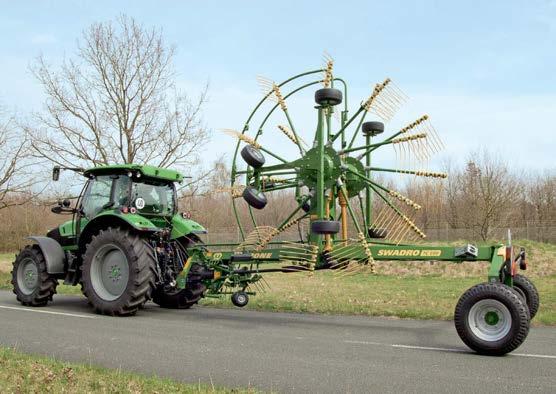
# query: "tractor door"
{"type": "Point", "coordinates": [103, 192]}
{"type": "Point", "coordinates": [97, 197]}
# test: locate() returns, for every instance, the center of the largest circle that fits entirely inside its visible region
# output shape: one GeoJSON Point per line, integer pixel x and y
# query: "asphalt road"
{"type": "Point", "coordinates": [281, 352]}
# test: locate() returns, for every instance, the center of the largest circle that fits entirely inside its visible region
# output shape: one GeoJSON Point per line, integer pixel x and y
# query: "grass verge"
{"type": "Point", "coordinates": [419, 290]}
{"type": "Point", "coordinates": [20, 373]}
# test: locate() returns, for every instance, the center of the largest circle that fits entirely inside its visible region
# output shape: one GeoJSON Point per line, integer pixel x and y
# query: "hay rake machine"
{"type": "Point", "coordinates": [353, 219]}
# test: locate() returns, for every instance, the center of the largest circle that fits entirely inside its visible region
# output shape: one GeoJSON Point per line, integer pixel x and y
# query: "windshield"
{"type": "Point", "coordinates": [153, 198]}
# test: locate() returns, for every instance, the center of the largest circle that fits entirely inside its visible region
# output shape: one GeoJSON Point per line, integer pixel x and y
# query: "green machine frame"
{"type": "Point", "coordinates": [331, 175]}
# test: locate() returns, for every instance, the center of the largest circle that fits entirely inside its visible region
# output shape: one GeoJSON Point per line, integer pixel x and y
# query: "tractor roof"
{"type": "Point", "coordinates": [145, 170]}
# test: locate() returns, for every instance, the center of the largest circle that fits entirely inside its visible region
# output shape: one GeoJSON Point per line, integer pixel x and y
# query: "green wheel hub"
{"type": "Point", "coordinates": [308, 167]}
{"type": "Point", "coordinates": [109, 272]}
{"type": "Point", "coordinates": [354, 183]}
{"type": "Point", "coordinates": [28, 276]}
{"type": "Point", "coordinates": [492, 318]}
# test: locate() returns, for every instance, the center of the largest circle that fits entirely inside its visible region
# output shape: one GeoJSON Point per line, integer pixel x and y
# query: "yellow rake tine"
{"type": "Point", "coordinates": [379, 219]}
{"type": "Point", "coordinates": [395, 230]}
{"type": "Point", "coordinates": [435, 135]}
{"type": "Point", "coordinates": [347, 256]}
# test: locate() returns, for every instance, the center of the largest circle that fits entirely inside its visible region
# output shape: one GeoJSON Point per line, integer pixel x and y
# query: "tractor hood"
{"type": "Point", "coordinates": [182, 226]}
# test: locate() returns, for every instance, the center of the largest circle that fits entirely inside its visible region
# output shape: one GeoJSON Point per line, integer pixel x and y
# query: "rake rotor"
{"type": "Point", "coordinates": [331, 179]}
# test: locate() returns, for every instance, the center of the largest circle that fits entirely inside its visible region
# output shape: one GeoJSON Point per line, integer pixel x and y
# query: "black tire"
{"type": "Point", "coordinates": [254, 197]}
{"type": "Point", "coordinates": [492, 319]}
{"type": "Point", "coordinates": [372, 128]}
{"type": "Point", "coordinates": [325, 227]}
{"type": "Point", "coordinates": [138, 280]}
{"type": "Point", "coordinates": [328, 96]}
{"type": "Point", "coordinates": [181, 299]}
{"type": "Point", "coordinates": [252, 156]}
{"type": "Point", "coordinates": [31, 283]}
{"type": "Point", "coordinates": [377, 232]}
{"type": "Point", "coordinates": [240, 299]}
{"type": "Point", "coordinates": [525, 286]}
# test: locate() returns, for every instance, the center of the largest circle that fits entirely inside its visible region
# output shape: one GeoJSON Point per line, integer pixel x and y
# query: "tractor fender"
{"type": "Point", "coordinates": [53, 254]}
{"type": "Point", "coordinates": [182, 226]}
{"type": "Point", "coordinates": [102, 221]}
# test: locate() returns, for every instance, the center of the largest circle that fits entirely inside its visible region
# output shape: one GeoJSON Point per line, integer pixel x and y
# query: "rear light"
{"type": "Point", "coordinates": [510, 257]}
{"type": "Point", "coordinates": [132, 210]}
{"type": "Point", "coordinates": [124, 209]}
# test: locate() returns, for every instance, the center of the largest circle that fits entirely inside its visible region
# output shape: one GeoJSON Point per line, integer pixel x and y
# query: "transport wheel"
{"type": "Point", "coordinates": [254, 197]}
{"type": "Point", "coordinates": [328, 96]}
{"type": "Point", "coordinates": [31, 283]}
{"type": "Point", "coordinates": [492, 319]}
{"type": "Point", "coordinates": [377, 232]}
{"type": "Point", "coordinates": [240, 299]}
{"type": "Point", "coordinates": [372, 128]}
{"type": "Point", "coordinates": [529, 291]}
{"type": "Point", "coordinates": [119, 271]}
{"type": "Point", "coordinates": [252, 156]}
{"type": "Point", "coordinates": [325, 227]}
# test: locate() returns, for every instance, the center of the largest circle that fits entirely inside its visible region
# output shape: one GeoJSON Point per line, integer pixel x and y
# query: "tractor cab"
{"type": "Point", "coordinates": [138, 196]}
{"type": "Point", "coordinates": [130, 192]}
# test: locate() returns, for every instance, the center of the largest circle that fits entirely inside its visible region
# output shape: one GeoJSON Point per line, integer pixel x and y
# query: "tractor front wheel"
{"type": "Point", "coordinates": [31, 283]}
{"type": "Point", "coordinates": [492, 319]}
{"type": "Point", "coordinates": [119, 271]}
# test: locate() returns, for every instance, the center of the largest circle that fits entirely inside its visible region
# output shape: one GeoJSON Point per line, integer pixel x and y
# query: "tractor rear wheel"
{"type": "Point", "coordinates": [492, 319]}
{"type": "Point", "coordinates": [525, 286]}
{"type": "Point", "coordinates": [119, 271]}
{"type": "Point", "coordinates": [31, 283]}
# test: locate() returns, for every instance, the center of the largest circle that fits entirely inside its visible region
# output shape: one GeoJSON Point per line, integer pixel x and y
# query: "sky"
{"type": "Point", "coordinates": [483, 70]}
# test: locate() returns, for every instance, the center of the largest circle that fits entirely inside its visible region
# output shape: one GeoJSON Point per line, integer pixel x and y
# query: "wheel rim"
{"type": "Point", "coordinates": [490, 320]}
{"type": "Point", "coordinates": [27, 276]}
{"type": "Point", "coordinates": [109, 272]}
{"type": "Point", "coordinates": [240, 298]}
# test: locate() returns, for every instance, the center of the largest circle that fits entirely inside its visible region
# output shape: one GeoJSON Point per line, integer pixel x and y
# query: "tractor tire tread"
{"type": "Point", "coordinates": [142, 261]}
{"type": "Point", "coordinates": [47, 285]}
{"type": "Point", "coordinates": [530, 291]}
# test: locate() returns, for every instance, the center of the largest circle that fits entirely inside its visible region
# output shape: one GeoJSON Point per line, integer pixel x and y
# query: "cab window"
{"type": "Point", "coordinates": [97, 195]}
{"type": "Point", "coordinates": [154, 198]}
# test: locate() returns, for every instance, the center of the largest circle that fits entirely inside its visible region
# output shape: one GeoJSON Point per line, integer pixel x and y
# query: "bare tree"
{"type": "Point", "coordinates": [15, 174]}
{"type": "Point", "coordinates": [116, 101]}
{"type": "Point", "coordinates": [482, 195]}
{"type": "Point", "coordinates": [541, 195]}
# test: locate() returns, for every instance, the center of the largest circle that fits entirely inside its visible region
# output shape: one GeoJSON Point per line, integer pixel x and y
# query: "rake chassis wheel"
{"type": "Point", "coordinates": [492, 319]}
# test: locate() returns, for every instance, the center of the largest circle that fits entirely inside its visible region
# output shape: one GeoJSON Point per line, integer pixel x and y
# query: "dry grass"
{"type": "Point", "coordinates": [6, 260]}
{"type": "Point", "coordinates": [21, 373]}
{"type": "Point", "coordinates": [541, 258]}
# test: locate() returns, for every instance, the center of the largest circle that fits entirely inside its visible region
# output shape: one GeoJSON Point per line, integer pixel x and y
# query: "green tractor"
{"type": "Point", "coordinates": [125, 244]}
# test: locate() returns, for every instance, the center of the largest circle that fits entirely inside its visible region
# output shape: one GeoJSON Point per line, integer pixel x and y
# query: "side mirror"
{"type": "Point", "coordinates": [55, 173]}
{"type": "Point", "coordinates": [66, 203]}
{"type": "Point", "coordinates": [56, 209]}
